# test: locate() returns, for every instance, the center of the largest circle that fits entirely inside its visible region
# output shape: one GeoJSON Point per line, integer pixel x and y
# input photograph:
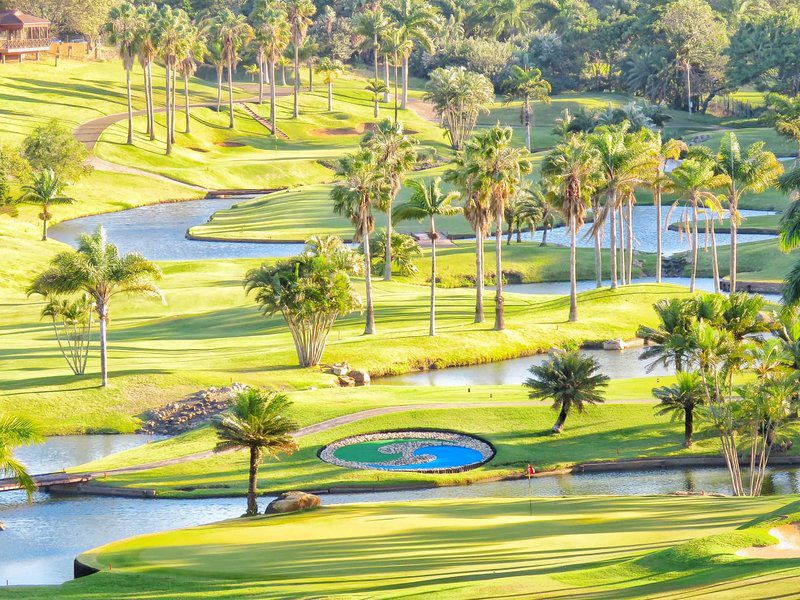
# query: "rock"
{"type": "Point", "coordinates": [359, 376]}
{"type": "Point", "coordinates": [291, 502]}
{"type": "Point", "coordinates": [345, 381]}
{"type": "Point", "coordinates": [340, 369]}
{"type": "Point", "coordinates": [195, 409]}
{"type": "Point", "coordinates": [616, 344]}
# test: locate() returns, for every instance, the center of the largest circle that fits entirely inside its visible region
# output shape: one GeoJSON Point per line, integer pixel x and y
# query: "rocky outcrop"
{"type": "Point", "coordinates": [360, 377]}
{"type": "Point", "coordinates": [183, 415]}
{"type": "Point", "coordinates": [292, 502]}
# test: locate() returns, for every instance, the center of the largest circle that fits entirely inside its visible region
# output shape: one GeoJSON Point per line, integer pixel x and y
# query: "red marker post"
{"type": "Point", "coordinates": [530, 472]}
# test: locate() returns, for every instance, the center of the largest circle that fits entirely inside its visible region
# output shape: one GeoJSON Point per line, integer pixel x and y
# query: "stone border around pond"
{"type": "Point", "coordinates": [450, 438]}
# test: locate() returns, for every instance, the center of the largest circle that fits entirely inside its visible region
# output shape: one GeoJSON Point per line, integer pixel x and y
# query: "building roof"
{"type": "Point", "coordinates": [15, 19]}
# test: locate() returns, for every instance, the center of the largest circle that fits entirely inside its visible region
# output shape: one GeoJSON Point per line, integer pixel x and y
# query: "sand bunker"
{"type": "Point", "coordinates": [788, 545]}
{"type": "Point", "coordinates": [357, 130]}
{"type": "Point", "coordinates": [230, 144]}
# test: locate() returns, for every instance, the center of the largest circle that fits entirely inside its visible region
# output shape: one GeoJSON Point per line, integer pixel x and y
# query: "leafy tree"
{"type": "Point", "coordinates": [72, 324]}
{"type": "Point", "coordinates": [122, 29]}
{"type": "Point", "coordinates": [404, 249]}
{"type": "Point", "coordinates": [428, 201]}
{"type": "Point", "coordinates": [298, 15]}
{"type": "Point", "coordinates": [330, 70]}
{"type": "Point", "coordinates": [98, 270]}
{"type": "Point", "coordinates": [233, 32]}
{"type": "Point", "coordinates": [783, 113]}
{"type": "Point", "coordinates": [680, 400]}
{"type": "Point", "coordinates": [526, 84]}
{"type": "Point", "coordinates": [311, 291]}
{"type": "Point", "coordinates": [360, 188]}
{"type": "Point", "coordinates": [52, 146]}
{"type": "Point", "coordinates": [458, 97]}
{"type": "Point", "coordinates": [377, 88]}
{"type": "Point", "coordinates": [45, 190]}
{"type": "Point", "coordinates": [572, 170]}
{"type": "Point", "coordinates": [13, 167]}
{"type": "Point", "coordinates": [14, 432]}
{"type": "Point", "coordinates": [571, 380]}
{"type": "Point", "coordinates": [258, 421]}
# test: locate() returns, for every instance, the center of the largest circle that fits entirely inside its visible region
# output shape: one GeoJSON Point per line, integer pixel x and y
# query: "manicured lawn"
{"type": "Point", "coordinates": [758, 261]}
{"type": "Point", "coordinates": [466, 548]}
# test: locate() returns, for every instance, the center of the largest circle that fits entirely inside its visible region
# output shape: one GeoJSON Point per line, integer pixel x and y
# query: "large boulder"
{"type": "Point", "coordinates": [292, 502]}
{"type": "Point", "coordinates": [617, 344]}
{"type": "Point", "coordinates": [359, 376]}
{"type": "Point", "coordinates": [340, 369]}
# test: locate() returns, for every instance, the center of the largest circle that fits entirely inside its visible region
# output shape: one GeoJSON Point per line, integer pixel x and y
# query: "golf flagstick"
{"type": "Point", "coordinates": [530, 472]}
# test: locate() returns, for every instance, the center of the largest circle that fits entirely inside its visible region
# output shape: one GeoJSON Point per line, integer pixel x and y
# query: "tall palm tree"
{"type": "Point", "coordinates": [397, 155]}
{"type": "Point", "coordinates": [571, 380]}
{"type": "Point", "coordinates": [45, 190]}
{"type": "Point", "coordinates": [194, 53]}
{"type": "Point", "coordinates": [671, 340]}
{"type": "Point", "coordinates": [376, 87]}
{"type": "Point", "coordinates": [233, 31]}
{"type": "Point", "coordinates": [397, 49]}
{"type": "Point", "coordinates": [361, 186]}
{"type": "Point", "coordinates": [215, 55]}
{"type": "Point", "coordinates": [417, 22]}
{"type": "Point", "coordinates": [330, 70]}
{"type": "Point", "coordinates": [146, 51]}
{"type": "Point", "coordinates": [752, 171]}
{"type": "Point", "coordinates": [659, 182]}
{"type": "Point", "coordinates": [14, 432]}
{"type": "Point", "coordinates": [370, 24]}
{"type": "Point", "coordinates": [693, 182]}
{"type": "Point", "coordinates": [169, 31]}
{"type": "Point", "coordinates": [428, 201]}
{"type": "Point", "coordinates": [298, 15]}
{"type": "Point", "coordinates": [680, 399]}
{"type": "Point", "coordinates": [507, 18]}
{"type": "Point", "coordinates": [98, 270]}
{"type": "Point", "coordinates": [572, 170]}
{"type": "Point", "coordinates": [122, 29]}
{"type": "Point", "coordinates": [257, 421]}
{"type": "Point", "coordinates": [499, 171]}
{"type": "Point", "coordinates": [274, 34]}
{"type": "Point", "coordinates": [528, 85]}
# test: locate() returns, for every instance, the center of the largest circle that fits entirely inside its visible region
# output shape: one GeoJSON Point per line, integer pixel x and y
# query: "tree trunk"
{"type": "Point", "coordinates": [611, 201]}
{"type": "Point", "coordinates": [630, 240]}
{"type": "Point", "coordinates": [573, 276]}
{"type": "Point", "coordinates": [387, 252]}
{"type": "Point", "coordinates": [369, 328]}
{"type": "Point", "coordinates": [310, 78]}
{"type": "Point", "coordinates": [714, 256]}
{"type": "Point", "coordinates": [598, 250]}
{"type": "Point", "coordinates": [527, 118]}
{"type": "Point", "coordinates": [152, 103]}
{"type": "Point", "coordinates": [44, 223]}
{"type": "Point", "coordinates": [169, 113]}
{"type": "Point", "coordinates": [479, 317]}
{"type": "Point", "coordinates": [543, 243]}
{"type": "Point", "coordinates": [102, 312]}
{"type": "Point", "coordinates": [688, 425]}
{"type": "Point", "coordinates": [657, 202]}
{"type": "Point", "coordinates": [283, 75]}
{"type": "Point", "coordinates": [231, 123]}
{"type": "Point", "coordinates": [272, 97]}
{"type": "Point", "coordinates": [694, 247]}
{"type": "Point", "coordinates": [375, 55]}
{"type": "Point", "coordinates": [296, 112]}
{"type": "Point", "coordinates": [252, 487]}
{"type": "Point", "coordinates": [734, 250]}
{"type": "Point", "coordinates": [386, 77]}
{"type": "Point", "coordinates": [562, 417]}
{"type": "Point", "coordinates": [260, 80]}
{"type": "Point", "coordinates": [186, 102]}
{"type": "Point", "coordinates": [172, 102]}
{"type": "Point", "coordinates": [689, 86]}
{"type": "Point", "coordinates": [396, 99]}
{"type": "Point", "coordinates": [148, 108]}
{"type": "Point", "coordinates": [375, 112]}
{"type": "Point", "coordinates": [330, 96]}
{"type": "Point", "coordinates": [621, 239]}
{"type": "Point", "coordinates": [499, 308]}
{"type": "Point", "coordinates": [130, 106]}
{"type": "Point", "coordinates": [404, 101]}
{"type": "Point", "coordinates": [433, 278]}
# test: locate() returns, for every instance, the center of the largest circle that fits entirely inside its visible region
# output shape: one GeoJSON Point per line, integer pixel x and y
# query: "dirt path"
{"type": "Point", "coordinates": [423, 109]}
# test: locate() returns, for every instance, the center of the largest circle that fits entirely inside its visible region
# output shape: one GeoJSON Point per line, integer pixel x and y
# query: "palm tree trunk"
{"type": "Point", "coordinates": [219, 87]}
{"type": "Point", "coordinates": [387, 253]}
{"type": "Point", "coordinates": [260, 79]}
{"type": "Point", "coordinates": [543, 243]}
{"type": "Point", "coordinates": [689, 86]}
{"type": "Point", "coordinates": [272, 96]}
{"type": "Point", "coordinates": [169, 113]}
{"type": "Point", "coordinates": [252, 488]}
{"type": "Point", "coordinates": [130, 106]}
{"type": "Point", "coordinates": [688, 425]}
{"type": "Point", "coordinates": [479, 317]}
{"type": "Point", "coordinates": [433, 278]}
{"type": "Point", "coordinates": [404, 101]}
{"type": "Point", "coordinates": [102, 313]}
{"type": "Point", "coordinates": [296, 112]}
{"type": "Point", "coordinates": [694, 246]}
{"type": "Point", "coordinates": [44, 223]}
{"type": "Point", "coordinates": [657, 202]}
{"type": "Point", "coordinates": [186, 102]}
{"type": "Point", "coordinates": [231, 123]}
{"type": "Point", "coordinates": [527, 118]}
{"type": "Point", "coordinates": [386, 77]}
{"type": "Point", "coordinates": [148, 107]}
{"type": "Point", "coordinates": [621, 239]}
{"type": "Point", "coordinates": [734, 248]}
{"type": "Point", "coordinates": [630, 239]}
{"type": "Point", "coordinates": [152, 103]}
{"type": "Point", "coordinates": [562, 417]}
{"type": "Point", "coordinates": [611, 201]}
{"type": "Point", "coordinates": [283, 75]}
{"type": "Point", "coordinates": [330, 95]}
{"type": "Point", "coordinates": [396, 99]}
{"type": "Point", "coordinates": [499, 308]}
{"type": "Point", "coordinates": [598, 250]}
{"type": "Point", "coordinates": [369, 328]}
{"type": "Point", "coordinates": [310, 77]}
{"type": "Point", "coordinates": [375, 55]}
{"type": "Point", "coordinates": [172, 102]}
{"type": "Point", "coordinates": [375, 112]}
{"type": "Point", "coordinates": [714, 256]}
{"type": "Point", "coordinates": [573, 283]}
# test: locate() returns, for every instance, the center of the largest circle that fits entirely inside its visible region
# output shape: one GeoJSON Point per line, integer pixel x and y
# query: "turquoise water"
{"type": "Point", "coordinates": [443, 457]}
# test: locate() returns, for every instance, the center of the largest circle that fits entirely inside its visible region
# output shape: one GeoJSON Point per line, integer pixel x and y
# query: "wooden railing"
{"type": "Point", "coordinates": [21, 45]}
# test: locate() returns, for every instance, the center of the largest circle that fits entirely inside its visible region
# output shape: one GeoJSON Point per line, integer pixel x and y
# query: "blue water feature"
{"type": "Point", "coordinates": [443, 457]}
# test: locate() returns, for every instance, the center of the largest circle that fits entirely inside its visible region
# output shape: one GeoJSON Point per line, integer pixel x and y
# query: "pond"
{"type": "Point", "coordinates": [42, 539]}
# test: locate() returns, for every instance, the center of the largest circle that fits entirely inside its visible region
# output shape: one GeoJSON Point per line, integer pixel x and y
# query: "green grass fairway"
{"type": "Point", "coordinates": [758, 261]}
{"type": "Point", "coordinates": [466, 548]}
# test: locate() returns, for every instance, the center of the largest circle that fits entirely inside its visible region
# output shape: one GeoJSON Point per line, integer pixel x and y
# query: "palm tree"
{"type": "Point", "coordinates": [274, 34]}
{"type": "Point", "coordinates": [671, 340]}
{"type": "Point", "coordinates": [72, 324]}
{"type": "Point", "coordinates": [753, 171]}
{"type": "Point", "coordinates": [396, 155]}
{"type": "Point", "coordinates": [572, 171]}
{"type": "Point", "coordinates": [417, 21]}
{"type": "Point", "coordinates": [571, 379]}
{"type": "Point", "coordinates": [680, 399]}
{"type": "Point", "coordinates": [215, 54]}
{"type": "Point", "coordinates": [370, 23]}
{"type": "Point", "coordinates": [693, 181]}
{"type": "Point", "coordinates": [660, 183]}
{"type": "Point", "coordinates": [528, 85]}
{"type": "Point", "coordinates": [17, 431]}
{"type": "Point", "coordinates": [397, 49]}
{"type": "Point", "coordinates": [458, 97]}
{"type": "Point", "coordinates": [146, 52]}
{"type": "Point", "coordinates": [122, 28]}
{"type": "Point", "coordinates": [98, 270]}
{"type": "Point", "coordinates": [298, 15]}
{"type": "Point", "coordinates": [509, 17]}
{"type": "Point", "coordinates": [233, 32]}
{"type": "Point", "coordinates": [329, 69]}
{"type": "Point", "coordinates": [377, 88]}
{"type": "Point", "coordinates": [361, 187]}
{"type": "Point", "coordinates": [257, 421]}
{"type": "Point", "coordinates": [498, 170]}
{"type": "Point", "coordinates": [45, 190]}
{"type": "Point", "coordinates": [169, 31]}
{"type": "Point", "coordinates": [194, 52]}
{"type": "Point", "coordinates": [428, 201]}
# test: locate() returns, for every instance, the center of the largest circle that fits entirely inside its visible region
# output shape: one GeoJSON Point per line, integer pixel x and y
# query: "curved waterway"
{"type": "Point", "coordinates": [42, 539]}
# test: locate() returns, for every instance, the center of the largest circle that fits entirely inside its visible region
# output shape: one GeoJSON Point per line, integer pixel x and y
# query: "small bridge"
{"type": "Point", "coordinates": [45, 480]}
